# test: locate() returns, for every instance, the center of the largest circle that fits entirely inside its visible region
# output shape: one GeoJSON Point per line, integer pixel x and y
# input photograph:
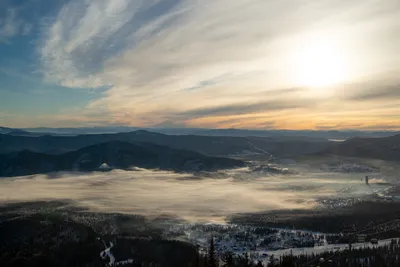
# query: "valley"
{"type": "Point", "coordinates": [263, 197]}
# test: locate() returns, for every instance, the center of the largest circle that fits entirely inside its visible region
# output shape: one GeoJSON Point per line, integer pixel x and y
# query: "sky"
{"type": "Point", "coordinates": [255, 64]}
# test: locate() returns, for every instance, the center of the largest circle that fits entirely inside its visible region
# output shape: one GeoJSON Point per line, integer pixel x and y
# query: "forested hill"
{"type": "Point", "coordinates": [385, 148]}
{"type": "Point", "coordinates": [116, 154]}
{"type": "Point", "coordinates": [208, 145]}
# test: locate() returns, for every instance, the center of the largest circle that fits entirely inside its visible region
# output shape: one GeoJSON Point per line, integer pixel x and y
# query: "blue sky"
{"type": "Point", "coordinates": [290, 64]}
{"type": "Point", "coordinates": [23, 91]}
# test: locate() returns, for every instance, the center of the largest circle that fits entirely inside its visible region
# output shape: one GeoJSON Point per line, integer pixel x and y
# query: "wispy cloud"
{"type": "Point", "coordinates": [181, 58]}
{"type": "Point", "coordinates": [373, 92]}
{"type": "Point", "coordinates": [12, 25]}
{"type": "Point", "coordinates": [249, 108]}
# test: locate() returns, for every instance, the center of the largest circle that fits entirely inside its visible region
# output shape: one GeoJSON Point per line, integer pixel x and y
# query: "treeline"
{"type": "Point", "coordinates": [211, 259]}
{"type": "Point", "coordinates": [383, 256]}
{"type": "Point", "coordinates": [358, 216]}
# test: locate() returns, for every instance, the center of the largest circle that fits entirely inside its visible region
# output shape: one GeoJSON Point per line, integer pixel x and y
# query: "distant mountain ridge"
{"type": "Point", "coordinates": [329, 134]}
{"type": "Point", "coordinates": [384, 148]}
{"type": "Point", "coordinates": [116, 154]}
{"type": "Point", "coordinates": [12, 131]}
{"type": "Point", "coordinates": [208, 145]}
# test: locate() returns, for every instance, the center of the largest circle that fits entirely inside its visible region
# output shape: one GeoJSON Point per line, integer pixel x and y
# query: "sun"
{"type": "Point", "coordinates": [320, 63]}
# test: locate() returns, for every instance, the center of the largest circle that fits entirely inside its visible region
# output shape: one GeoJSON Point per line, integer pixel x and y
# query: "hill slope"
{"type": "Point", "coordinates": [385, 148]}
{"type": "Point", "coordinates": [11, 131]}
{"type": "Point", "coordinates": [209, 145]}
{"type": "Point", "coordinates": [116, 154]}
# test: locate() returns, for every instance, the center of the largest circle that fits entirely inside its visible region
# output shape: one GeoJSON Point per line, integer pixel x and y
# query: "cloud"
{"type": "Point", "coordinates": [194, 198]}
{"type": "Point", "coordinates": [159, 50]}
{"type": "Point", "coordinates": [260, 107]}
{"type": "Point", "coordinates": [85, 35]}
{"type": "Point", "coordinates": [173, 59]}
{"type": "Point", "coordinates": [169, 124]}
{"type": "Point", "coordinates": [66, 118]}
{"type": "Point", "coordinates": [375, 92]}
{"type": "Point", "coordinates": [11, 25]}
{"type": "Point", "coordinates": [209, 82]}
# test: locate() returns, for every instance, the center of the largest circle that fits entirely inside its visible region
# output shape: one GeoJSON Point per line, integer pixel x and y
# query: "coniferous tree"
{"type": "Point", "coordinates": [243, 260]}
{"type": "Point", "coordinates": [197, 259]}
{"type": "Point", "coordinates": [212, 260]}
{"type": "Point", "coordinates": [247, 260]}
{"type": "Point", "coordinates": [271, 261]}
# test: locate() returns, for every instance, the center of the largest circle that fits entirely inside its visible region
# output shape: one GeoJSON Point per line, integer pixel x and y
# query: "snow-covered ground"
{"type": "Point", "coordinates": [245, 153]}
{"type": "Point", "coordinates": [106, 253]}
{"type": "Point", "coordinates": [239, 239]}
{"type": "Point", "coordinates": [260, 243]}
{"type": "Point", "coordinates": [112, 261]}
{"type": "Point", "coordinates": [349, 167]}
{"type": "Point", "coordinates": [264, 256]}
{"type": "Point", "coordinates": [326, 248]}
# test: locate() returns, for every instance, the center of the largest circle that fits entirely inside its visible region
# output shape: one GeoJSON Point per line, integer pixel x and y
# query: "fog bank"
{"type": "Point", "coordinates": [154, 192]}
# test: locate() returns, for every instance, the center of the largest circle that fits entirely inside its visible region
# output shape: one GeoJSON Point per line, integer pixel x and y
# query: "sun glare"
{"type": "Point", "coordinates": [319, 63]}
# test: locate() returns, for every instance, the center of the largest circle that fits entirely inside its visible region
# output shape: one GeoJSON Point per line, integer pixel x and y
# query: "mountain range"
{"type": "Point", "coordinates": [12, 131]}
{"type": "Point", "coordinates": [327, 134]}
{"type": "Point", "coordinates": [385, 148]}
{"type": "Point", "coordinates": [115, 154]}
{"type": "Point", "coordinates": [23, 154]}
{"type": "Point", "coordinates": [208, 145]}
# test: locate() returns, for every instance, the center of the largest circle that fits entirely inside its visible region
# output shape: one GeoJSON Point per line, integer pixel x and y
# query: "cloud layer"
{"type": "Point", "coordinates": [204, 63]}
{"type": "Point", "coordinates": [153, 193]}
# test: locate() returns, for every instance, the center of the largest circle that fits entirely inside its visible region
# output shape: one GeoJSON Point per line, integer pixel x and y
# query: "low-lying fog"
{"type": "Point", "coordinates": [205, 199]}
